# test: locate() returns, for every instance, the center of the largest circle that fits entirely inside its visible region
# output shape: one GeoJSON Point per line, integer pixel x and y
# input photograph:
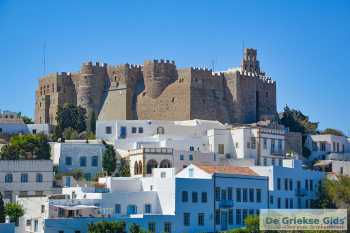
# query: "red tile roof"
{"type": "Point", "coordinates": [227, 170]}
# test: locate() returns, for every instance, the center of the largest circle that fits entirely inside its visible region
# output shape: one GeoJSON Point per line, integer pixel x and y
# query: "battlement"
{"type": "Point", "coordinates": [162, 61]}
{"type": "Point", "coordinates": [90, 67]}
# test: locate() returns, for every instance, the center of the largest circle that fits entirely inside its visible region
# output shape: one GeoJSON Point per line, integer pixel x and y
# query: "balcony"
{"type": "Point", "coordinates": [226, 204]}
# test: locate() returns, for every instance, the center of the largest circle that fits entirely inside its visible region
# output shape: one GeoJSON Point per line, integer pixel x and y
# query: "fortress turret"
{"type": "Point", "coordinates": [249, 62]}
{"type": "Point", "coordinates": [158, 75]}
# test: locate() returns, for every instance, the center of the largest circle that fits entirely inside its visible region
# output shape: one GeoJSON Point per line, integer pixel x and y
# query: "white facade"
{"type": "Point", "coordinates": [291, 186]}
{"type": "Point", "coordinates": [39, 129]}
{"type": "Point", "coordinates": [35, 211]}
{"type": "Point", "coordinates": [25, 177]}
{"type": "Point", "coordinates": [73, 155]}
{"type": "Point", "coordinates": [264, 145]}
{"type": "Point", "coordinates": [323, 145]}
{"type": "Point", "coordinates": [136, 134]}
{"type": "Point", "coordinates": [187, 202]}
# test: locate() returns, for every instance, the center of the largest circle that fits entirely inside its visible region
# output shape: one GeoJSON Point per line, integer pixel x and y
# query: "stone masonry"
{"type": "Point", "coordinates": [159, 90]}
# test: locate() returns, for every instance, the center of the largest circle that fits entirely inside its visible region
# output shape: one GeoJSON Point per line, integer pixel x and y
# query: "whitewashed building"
{"type": "Point", "coordinates": [25, 177]}
{"type": "Point", "coordinates": [149, 144]}
{"type": "Point", "coordinates": [200, 198]}
{"type": "Point", "coordinates": [291, 186]}
{"type": "Point", "coordinates": [327, 146]}
{"type": "Point", "coordinates": [78, 154]}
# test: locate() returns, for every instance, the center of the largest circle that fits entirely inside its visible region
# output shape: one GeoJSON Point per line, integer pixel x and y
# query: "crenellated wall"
{"type": "Point", "coordinates": [158, 90]}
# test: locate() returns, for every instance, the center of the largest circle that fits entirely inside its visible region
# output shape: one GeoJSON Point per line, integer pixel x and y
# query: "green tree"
{"type": "Point", "coordinates": [27, 120]}
{"type": "Point", "coordinates": [14, 211]}
{"type": "Point", "coordinates": [2, 209]}
{"type": "Point", "coordinates": [333, 132]}
{"type": "Point", "coordinates": [70, 116]}
{"type": "Point", "coordinates": [107, 227]}
{"type": "Point", "coordinates": [109, 160]}
{"type": "Point", "coordinates": [123, 168]}
{"type": "Point", "coordinates": [27, 147]}
{"type": "Point", "coordinates": [70, 134]}
{"type": "Point", "coordinates": [134, 228]}
{"type": "Point", "coordinates": [296, 121]}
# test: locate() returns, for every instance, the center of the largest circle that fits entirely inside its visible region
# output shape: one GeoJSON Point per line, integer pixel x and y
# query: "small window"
{"type": "Point", "coordinates": [191, 148]}
{"type": "Point", "coordinates": [108, 130]}
{"type": "Point", "coordinates": [190, 172]}
{"type": "Point", "coordinates": [140, 130]}
{"type": "Point", "coordinates": [122, 133]}
{"type": "Point", "coordinates": [190, 157]}
{"type": "Point", "coordinates": [221, 149]}
{"type": "Point", "coordinates": [8, 178]}
{"type": "Point", "coordinates": [42, 209]}
{"type": "Point", "coordinates": [162, 175]}
{"type": "Point", "coordinates": [204, 197]}
{"type": "Point", "coordinates": [181, 157]}
{"type": "Point", "coordinates": [200, 219]}
{"type": "Point", "coordinates": [34, 131]}
{"type": "Point", "coordinates": [82, 161]}
{"type": "Point", "coordinates": [117, 208]}
{"type": "Point", "coordinates": [184, 196]}
{"type": "Point", "coordinates": [148, 208]}
{"type": "Point", "coordinates": [167, 227]}
{"type": "Point", "coordinates": [94, 161]}
{"type": "Point", "coordinates": [245, 195]}
{"type": "Point", "coordinates": [194, 197]}
{"type": "Point", "coordinates": [265, 143]}
{"type": "Point", "coordinates": [187, 219]}
{"type": "Point", "coordinates": [68, 161]}
{"type": "Point", "coordinates": [24, 178]}
{"type": "Point", "coordinates": [152, 227]}
{"type": "Point", "coordinates": [133, 130]}
{"type": "Point", "coordinates": [258, 195]}
{"type": "Point", "coordinates": [39, 178]}
{"type": "Point", "coordinates": [28, 222]}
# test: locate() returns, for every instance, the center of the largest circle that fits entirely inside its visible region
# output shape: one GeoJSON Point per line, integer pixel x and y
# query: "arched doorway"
{"type": "Point", "coordinates": [165, 164]}
{"type": "Point", "coordinates": [140, 167]}
{"type": "Point", "coordinates": [150, 165]}
{"type": "Point", "coordinates": [136, 168]}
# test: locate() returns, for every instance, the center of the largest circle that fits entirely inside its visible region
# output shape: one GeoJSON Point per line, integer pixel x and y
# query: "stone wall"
{"type": "Point", "coordinates": [158, 90]}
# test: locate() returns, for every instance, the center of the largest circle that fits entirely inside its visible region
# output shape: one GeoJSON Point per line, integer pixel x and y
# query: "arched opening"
{"type": "Point", "coordinates": [140, 167]}
{"type": "Point", "coordinates": [165, 164]}
{"type": "Point", "coordinates": [136, 168]}
{"type": "Point", "coordinates": [150, 165]}
{"type": "Point", "coordinates": [160, 130]}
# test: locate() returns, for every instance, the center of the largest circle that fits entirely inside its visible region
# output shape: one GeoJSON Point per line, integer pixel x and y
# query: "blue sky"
{"type": "Point", "coordinates": [303, 45]}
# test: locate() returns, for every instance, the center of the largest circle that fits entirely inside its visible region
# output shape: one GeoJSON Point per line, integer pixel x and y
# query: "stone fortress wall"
{"type": "Point", "coordinates": [159, 90]}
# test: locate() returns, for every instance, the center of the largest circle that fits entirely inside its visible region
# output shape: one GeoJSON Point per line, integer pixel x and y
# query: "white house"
{"type": "Point", "coordinates": [291, 186]}
{"type": "Point", "coordinates": [264, 144]}
{"type": "Point", "coordinates": [25, 177]}
{"type": "Point", "coordinates": [78, 154]}
{"type": "Point", "coordinates": [12, 123]}
{"type": "Point", "coordinates": [327, 146]}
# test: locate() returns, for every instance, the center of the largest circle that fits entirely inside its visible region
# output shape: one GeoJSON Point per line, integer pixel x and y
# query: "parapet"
{"type": "Point", "coordinates": [91, 68]}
